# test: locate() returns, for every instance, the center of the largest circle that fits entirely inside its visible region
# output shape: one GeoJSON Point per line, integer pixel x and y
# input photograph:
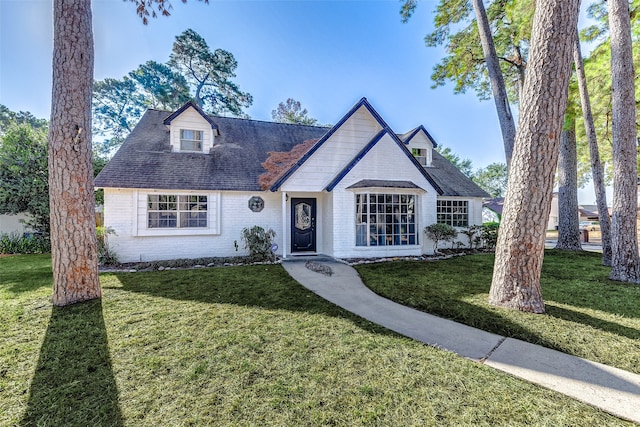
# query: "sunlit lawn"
{"type": "Point", "coordinates": [587, 315]}
{"type": "Point", "coordinates": [239, 346]}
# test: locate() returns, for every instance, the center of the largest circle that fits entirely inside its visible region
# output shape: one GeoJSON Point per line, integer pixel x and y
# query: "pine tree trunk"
{"type": "Point", "coordinates": [568, 222]}
{"type": "Point", "coordinates": [597, 169]}
{"type": "Point", "coordinates": [625, 263]}
{"type": "Point", "coordinates": [73, 236]}
{"type": "Point", "coordinates": [507, 125]}
{"type": "Point", "coordinates": [520, 248]}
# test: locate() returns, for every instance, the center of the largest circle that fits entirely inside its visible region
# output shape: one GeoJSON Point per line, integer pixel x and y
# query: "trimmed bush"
{"type": "Point", "coordinates": [440, 232]}
{"type": "Point", "coordinates": [258, 241]}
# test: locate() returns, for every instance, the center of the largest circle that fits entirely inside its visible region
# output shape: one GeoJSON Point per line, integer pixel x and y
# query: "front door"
{"type": "Point", "coordinates": [303, 225]}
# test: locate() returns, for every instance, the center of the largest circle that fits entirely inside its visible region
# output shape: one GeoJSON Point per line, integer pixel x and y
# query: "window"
{"type": "Point", "coordinates": [173, 211]}
{"type": "Point", "coordinates": [386, 219]}
{"type": "Point", "coordinates": [453, 212]}
{"type": "Point", "coordinates": [420, 154]}
{"type": "Point", "coordinates": [190, 140]}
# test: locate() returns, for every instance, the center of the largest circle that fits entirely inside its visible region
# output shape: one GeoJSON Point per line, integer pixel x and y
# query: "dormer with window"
{"type": "Point", "coordinates": [191, 130]}
{"type": "Point", "coordinates": [421, 145]}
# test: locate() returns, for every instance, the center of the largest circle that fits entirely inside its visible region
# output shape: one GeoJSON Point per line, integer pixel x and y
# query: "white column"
{"type": "Point", "coordinates": [285, 229]}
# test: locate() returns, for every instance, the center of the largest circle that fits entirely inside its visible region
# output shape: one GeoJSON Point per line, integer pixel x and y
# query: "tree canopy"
{"type": "Point", "coordinates": [192, 72]}
{"type": "Point", "coordinates": [23, 173]}
{"type": "Point", "coordinates": [291, 111]}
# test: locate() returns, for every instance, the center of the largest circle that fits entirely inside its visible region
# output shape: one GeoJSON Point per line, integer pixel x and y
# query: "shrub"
{"type": "Point", "coordinates": [106, 256]}
{"type": "Point", "coordinates": [438, 232]}
{"type": "Point", "coordinates": [28, 243]}
{"type": "Point", "coordinates": [490, 234]}
{"type": "Point", "coordinates": [258, 241]}
{"type": "Point", "coordinates": [471, 233]}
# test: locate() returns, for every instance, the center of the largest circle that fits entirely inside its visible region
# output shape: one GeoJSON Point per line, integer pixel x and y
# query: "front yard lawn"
{"type": "Point", "coordinates": [587, 315]}
{"type": "Point", "coordinates": [238, 346]}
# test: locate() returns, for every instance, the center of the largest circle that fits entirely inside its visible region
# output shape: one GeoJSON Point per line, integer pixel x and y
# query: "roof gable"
{"type": "Point", "coordinates": [184, 108]}
{"type": "Point", "coordinates": [362, 103]}
{"type": "Point", "coordinates": [407, 137]}
{"type": "Point", "coordinates": [345, 171]}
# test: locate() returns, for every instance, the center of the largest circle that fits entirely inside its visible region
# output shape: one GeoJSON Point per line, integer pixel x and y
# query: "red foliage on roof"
{"type": "Point", "coordinates": [279, 162]}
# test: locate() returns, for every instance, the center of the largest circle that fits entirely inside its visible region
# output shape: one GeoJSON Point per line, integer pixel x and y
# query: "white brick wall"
{"type": "Point", "coordinates": [131, 244]}
{"type": "Point", "coordinates": [376, 165]}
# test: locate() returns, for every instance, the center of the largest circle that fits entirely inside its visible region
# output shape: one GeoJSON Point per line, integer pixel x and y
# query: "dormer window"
{"type": "Point", "coordinates": [421, 155]}
{"type": "Point", "coordinates": [191, 140]}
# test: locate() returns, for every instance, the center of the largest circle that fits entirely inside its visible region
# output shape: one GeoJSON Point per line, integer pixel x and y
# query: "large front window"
{"type": "Point", "coordinates": [190, 140]}
{"type": "Point", "coordinates": [176, 211]}
{"type": "Point", "coordinates": [386, 219]}
{"type": "Point", "coordinates": [453, 212]}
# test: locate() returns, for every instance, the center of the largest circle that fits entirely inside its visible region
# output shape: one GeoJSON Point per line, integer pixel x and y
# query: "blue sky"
{"type": "Point", "coordinates": [326, 54]}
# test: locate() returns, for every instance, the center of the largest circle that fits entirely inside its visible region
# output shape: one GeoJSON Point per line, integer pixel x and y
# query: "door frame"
{"type": "Point", "coordinates": [313, 202]}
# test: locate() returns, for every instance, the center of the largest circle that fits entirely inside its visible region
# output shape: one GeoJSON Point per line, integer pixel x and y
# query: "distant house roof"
{"type": "Point", "coordinates": [145, 159]}
{"type": "Point", "coordinates": [494, 205]}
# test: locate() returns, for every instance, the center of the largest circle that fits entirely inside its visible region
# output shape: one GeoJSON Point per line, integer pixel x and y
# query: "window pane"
{"type": "Point", "coordinates": [391, 221]}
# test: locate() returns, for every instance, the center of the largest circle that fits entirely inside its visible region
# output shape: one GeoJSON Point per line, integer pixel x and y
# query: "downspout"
{"type": "Point", "coordinates": [284, 225]}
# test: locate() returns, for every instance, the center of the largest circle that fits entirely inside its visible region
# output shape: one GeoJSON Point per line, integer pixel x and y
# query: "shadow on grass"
{"type": "Point", "coordinates": [266, 287]}
{"type": "Point", "coordinates": [73, 384]}
{"type": "Point", "coordinates": [594, 322]}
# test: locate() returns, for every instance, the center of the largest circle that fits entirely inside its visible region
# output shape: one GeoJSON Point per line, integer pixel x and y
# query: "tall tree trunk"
{"type": "Point", "coordinates": [568, 223]}
{"type": "Point", "coordinates": [597, 168]}
{"type": "Point", "coordinates": [73, 235]}
{"type": "Point", "coordinates": [507, 124]}
{"type": "Point", "coordinates": [520, 247]}
{"type": "Point", "coordinates": [625, 263]}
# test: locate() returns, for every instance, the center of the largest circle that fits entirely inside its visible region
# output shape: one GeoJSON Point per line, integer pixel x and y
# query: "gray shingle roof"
{"type": "Point", "coordinates": [145, 159]}
{"type": "Point", "coordinates": [382, 183]}
{"type": "Point", "coordinates": [451, 181]}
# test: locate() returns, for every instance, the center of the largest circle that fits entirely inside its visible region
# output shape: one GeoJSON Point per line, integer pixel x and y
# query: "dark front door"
{"type": "Point", "coordinates": [303, 225]}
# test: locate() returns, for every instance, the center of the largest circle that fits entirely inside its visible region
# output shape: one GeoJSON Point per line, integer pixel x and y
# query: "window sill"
{"type": "Point", "coordinates": [177, 232]}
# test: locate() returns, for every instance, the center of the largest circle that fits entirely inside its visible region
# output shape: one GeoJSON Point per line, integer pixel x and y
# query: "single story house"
{"type": "Point", "coordinates": [184, 184]}
{"type": "Point", "coordinates": [14, 224]}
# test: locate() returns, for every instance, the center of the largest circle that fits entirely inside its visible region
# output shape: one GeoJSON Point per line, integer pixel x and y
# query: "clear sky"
{"type": "Point", "coordinates": [325, 54]}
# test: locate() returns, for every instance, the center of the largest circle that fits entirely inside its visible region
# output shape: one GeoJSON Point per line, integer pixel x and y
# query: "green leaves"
{"type": "Point", "coordinates": [23, 173]}
{"type": "Point", "coordinates": [291, 111]}
{"type": "Point", "coordinates": [193, 72]}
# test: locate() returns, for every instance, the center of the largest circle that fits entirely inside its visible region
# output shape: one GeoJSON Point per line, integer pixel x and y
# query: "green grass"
{"type": "Point", "coordinates": [587, 315]}
{"type": "Point", "coordinates": [235, 346]}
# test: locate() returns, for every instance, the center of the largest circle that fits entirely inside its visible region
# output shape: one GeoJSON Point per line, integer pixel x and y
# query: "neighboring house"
{"type": "Point", "coordinates": [10, 224]}
{"type": "Point", "coordinates": [184, 185]}
{"type": "Point", "coordinates": [492, 211]}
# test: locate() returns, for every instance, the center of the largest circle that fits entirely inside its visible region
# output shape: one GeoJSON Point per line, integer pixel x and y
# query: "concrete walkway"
{"type": "Point", "coordinates": [610, 389]}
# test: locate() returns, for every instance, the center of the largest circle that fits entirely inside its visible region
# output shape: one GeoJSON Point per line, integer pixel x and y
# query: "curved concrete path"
{"type": "Point", "coordinates": [610, 389]}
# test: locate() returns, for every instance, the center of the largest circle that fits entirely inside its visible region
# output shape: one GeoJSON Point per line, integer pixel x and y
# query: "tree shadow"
{"type": "Point", "coordinates": [275, 291]}
{"type": "Point", "coordinates": [73, 384]}
{"type": "Point", "coordinates": [594, 322]}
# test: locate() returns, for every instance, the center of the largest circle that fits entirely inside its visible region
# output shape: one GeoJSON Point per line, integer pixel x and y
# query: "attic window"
{"type": "Point", "coordinates": [190, 140]}
{"type": "Point", "coordinates": [421, 155]}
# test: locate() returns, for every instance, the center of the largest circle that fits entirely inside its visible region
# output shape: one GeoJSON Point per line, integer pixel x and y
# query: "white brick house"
{"type": "Point", "coordinates": [184, 184]}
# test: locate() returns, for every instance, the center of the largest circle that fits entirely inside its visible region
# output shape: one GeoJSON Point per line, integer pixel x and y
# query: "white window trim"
{"type": "Point", "coordinates": [201, 140]}
{"type": "Point", "coordinates": [141, 217]}
{"type": "Point", "coordinates": [448, 199]}
{"type": "Point", "coordinates": [392, 191]}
